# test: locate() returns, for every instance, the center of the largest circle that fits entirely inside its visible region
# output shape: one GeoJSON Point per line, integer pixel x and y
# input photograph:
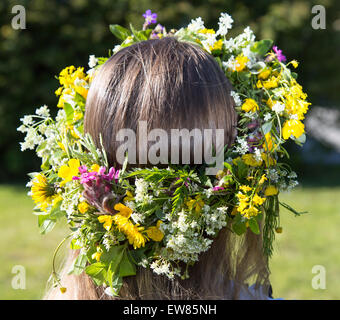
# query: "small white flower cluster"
{"type": "Point", "coordinates": [184, 239]}
{"type": "Point", "coordinates": [142, 191]}
{"type": "Point", "coordinates": [215, 221]}
{"type": "Point", "coordinates": [164, 267]}
{"type": "Point", "coordinates": [196, 24]}
{"type": "Point", "coordinates": [236, 97]}
{"type": "Point", "coordinates": [241, 146]}
{"type": "Point", "coordinates": [225, 24]}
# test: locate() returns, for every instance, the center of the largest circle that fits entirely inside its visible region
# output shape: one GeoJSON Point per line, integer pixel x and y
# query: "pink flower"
{"type": "Point", "coordinates": [218, 188]}
{"type": "Point", "coordinates": [279, 54]}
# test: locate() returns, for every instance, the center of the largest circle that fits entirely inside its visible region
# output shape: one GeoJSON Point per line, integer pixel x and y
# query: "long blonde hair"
{"type": "Point", "coordinates": [170, 84]}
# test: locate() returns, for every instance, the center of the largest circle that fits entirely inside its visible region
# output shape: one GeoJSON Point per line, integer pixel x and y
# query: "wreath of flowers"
{"type": "Point", "coordinates": [164, 219]}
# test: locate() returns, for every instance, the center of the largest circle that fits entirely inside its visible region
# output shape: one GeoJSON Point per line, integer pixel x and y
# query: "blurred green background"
{"type": "Point", "coordinates": [65, 32]}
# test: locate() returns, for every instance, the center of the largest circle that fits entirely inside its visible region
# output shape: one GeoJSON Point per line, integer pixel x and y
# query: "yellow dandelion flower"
{"type": "Point", "coordinates": [234, 211]}
{"type": "Point", "coordinates": [42, 192]}
{"type": "Point", "coordinates": [131, 231]}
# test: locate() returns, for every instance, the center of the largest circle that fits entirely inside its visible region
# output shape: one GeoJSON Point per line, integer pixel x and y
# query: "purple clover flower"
{"type": "Point", "coordinates": [150, 18]}
{"type": "Point", "coordinates": [279, 54]}
{"type": "Point", "coordinates": [218, 188]}
{"type": "Point", "coordinates": [86, 177]}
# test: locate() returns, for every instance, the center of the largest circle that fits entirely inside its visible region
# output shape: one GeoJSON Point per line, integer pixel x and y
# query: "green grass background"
{"type": "Point", "coordinates": [306, 241]}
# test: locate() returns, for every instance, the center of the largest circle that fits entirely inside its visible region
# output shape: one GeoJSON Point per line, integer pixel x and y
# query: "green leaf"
{"type": "Point", "coordinates": [78, 265]}
{"type": "Point", "coordinates": [301, 139]}
{"type": "Point", "coordinates": [253, 225]}
{"type": "Point", "coordinates": [266, 127]}
{"type": "Point", "coordinates": [262, 47]}
{"type": "Point", "coordinates": [119, 31]}
{"type": "Point", "coordinates": [127, 268]}
{"type": "Point", "coordinates": [239, 226]}
{"type": "Point", "coordinates": [97, 271]}
{"type": "Point", "coordinates": [56, 212]}
{"type": "Point", "coordinates": [46, 224]}
{"type": "Point", "coordinates": [73, 245]}
{"type": "Point", "coordinates": [69, 112]}
{"type": "Point", "coordinates": [160, 214]}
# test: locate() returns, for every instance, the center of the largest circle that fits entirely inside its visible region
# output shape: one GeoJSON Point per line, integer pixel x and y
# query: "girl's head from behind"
{"type": "Point", "coordinates": [171, 85]}
{"type": "Point", "coordinates": [166, 83]}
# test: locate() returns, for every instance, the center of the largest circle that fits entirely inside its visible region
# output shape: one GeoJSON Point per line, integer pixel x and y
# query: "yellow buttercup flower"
{"type": "Point", "coordinates": [107, 220]}
{"type": "Point", "coordinates": [250, 105]}
{"type": "Point", "coordinates": [129, 196]}
{"type": "Point", "coordinates": [123, 210]}
{"type": "Point", "coordinates": [95, 167]}
{"type": "Point", "coordinates": [271, 191]}
{"type": "Point", "coordinates": [265, 73]}
{"type": "Point", "coordinates": [83, 207]}
{"type": "Point", "coordinates": [67, 172]}
{"type": "Point", "coordinates": [250, 212]}
{"type": "Point", "coordinates": [82, 91]}
{"type": "Point", "coordinates": [205, 31]}
{"type": "Point", "coordinates": [292, 127]}
{"type": "Point", "coordinates": [217, 45]}
{"type": "Point", "coordinates": [241, 62]}
{"type": "Point", "coordinates": [294, 63]}
{"type": "Point", "coordinates": [245, 188]}
{"type": "Point", "coordinates": [257, 200]}
{"type": "Point", "coordinates": [155, 233]}
{"type": "Point", "coordinates": [270, 83]}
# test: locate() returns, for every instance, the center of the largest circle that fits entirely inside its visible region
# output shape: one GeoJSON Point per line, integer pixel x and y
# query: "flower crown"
{"type": "Point", "coordinates": [164, 219]}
